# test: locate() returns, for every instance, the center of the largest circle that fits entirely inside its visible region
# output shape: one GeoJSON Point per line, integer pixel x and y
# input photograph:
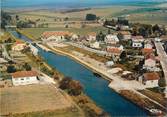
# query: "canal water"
{"type": "Point", "coordinates": [96, 88]}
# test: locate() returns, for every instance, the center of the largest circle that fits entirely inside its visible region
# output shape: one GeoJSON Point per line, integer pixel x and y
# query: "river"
{"type": "Point", "coordinates": [96, 88]}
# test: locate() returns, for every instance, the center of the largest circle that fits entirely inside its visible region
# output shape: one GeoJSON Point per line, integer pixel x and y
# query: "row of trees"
{"type": "Point", "coordinates": [147, 30]}
{"type": "Point", "coordinates": [5, 19]}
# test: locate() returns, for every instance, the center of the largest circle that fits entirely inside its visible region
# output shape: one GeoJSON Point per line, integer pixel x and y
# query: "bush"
{"type": "Point", "coordinates": [73, 87]}
{"type": "Point", "coordinates": [11, 69]}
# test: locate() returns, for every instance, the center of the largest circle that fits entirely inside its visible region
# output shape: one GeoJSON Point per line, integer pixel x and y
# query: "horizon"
{"type": "Point", "coordinates": [70, 4]}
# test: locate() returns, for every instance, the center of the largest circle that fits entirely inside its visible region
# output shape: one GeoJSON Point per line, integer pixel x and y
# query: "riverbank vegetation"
{"type": "Point", "coordinates": [144, 103]}
{"type": "Point", "coordinates": [75, 90]}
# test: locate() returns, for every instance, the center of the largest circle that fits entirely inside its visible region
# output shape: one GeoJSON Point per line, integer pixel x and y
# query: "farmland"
{"type": "Point", "coordinates": [34, 98]}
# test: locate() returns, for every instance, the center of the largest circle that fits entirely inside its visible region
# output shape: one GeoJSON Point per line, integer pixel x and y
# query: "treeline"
{"type": "Point", "coordinates": [146, 30]}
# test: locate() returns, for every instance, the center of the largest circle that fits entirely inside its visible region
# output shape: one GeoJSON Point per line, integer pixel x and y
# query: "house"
{"type": "Point", "coordinates": [114, 52]}
{"type": "Point", "coordinates": [124, 35]}
{"type": "Point", "coordinates": [33, 49]}
{"type": "Point", "coordinates": [150, 79]}
{"type": "Point", "coordinates": [91, 36]}
{"type": "Point", "coordinates": [24, 78]}
{"type": "Point", "coordinates": [124, 27]}
{"type": "Point", "coordinates": [146, 51]}
{"type": "Point", "coordinates": [95, 45]}
{"type": "Point", "coordinates": [18, 46]}
{"type": "Point", "coordinates": [55, 35]}
{"type": "Point", "coordinates": [74, 37]}
{"type": "Point", "coordinates": [109, 63]}
{"type": "Point", "coordinates": [137, 41]}
{"type": "Point", "coordinates": [148, 46]}
{"type": "Point", "coordinates": [157, 39]}
{"type": "Point", "coordinates": [111, 39]}
{"type": "Point", "coordinates": [150, 63]}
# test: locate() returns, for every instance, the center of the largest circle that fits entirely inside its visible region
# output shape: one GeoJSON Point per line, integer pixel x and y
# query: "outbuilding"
{"type": "Point", "coordinates": [24, 78]}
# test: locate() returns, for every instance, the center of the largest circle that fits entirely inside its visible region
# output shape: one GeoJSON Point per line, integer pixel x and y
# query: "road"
{"type": "Point", "coordinates": [163, 59]}
{"type": "Point", "coordinates": [5, 53]}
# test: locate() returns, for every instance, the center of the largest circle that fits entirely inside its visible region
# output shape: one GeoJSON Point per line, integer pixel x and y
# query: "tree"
{"type": "Point", "coordinates": [90, 17]}
{"type": "Point", "coordinates": [27, 67]}
{"type": "Point", "coordinates": [64, 84]}
{"type": "Point", "coordinates": [5, 19]}
{"type": "Point", "coordinates": [156, 28]}
{"type": "Point", "coordinates": [73, 87]}
{"type": "Point", "coordinates": [11, 69]}
{"type": "Point", "coordinates": [17, 18]}
{"type": "Point", "coordinates": [162, 82]}
{"type": "Point", "coordinates": [123, 56]}
{"type": "Point", "coordinates": [100, 36]}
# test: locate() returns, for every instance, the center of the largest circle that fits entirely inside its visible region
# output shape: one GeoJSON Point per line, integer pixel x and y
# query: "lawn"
{"type": "Point", "coordinates": [32, 98]}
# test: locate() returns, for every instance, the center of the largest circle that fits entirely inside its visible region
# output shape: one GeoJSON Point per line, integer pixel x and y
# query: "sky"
{"type": "Point", "coordinates": [24, 3]}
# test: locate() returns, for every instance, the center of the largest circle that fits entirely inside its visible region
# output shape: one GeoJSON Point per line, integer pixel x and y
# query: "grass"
{"type": "Point", "coordinates": [155, 96]}
{"type": "Point", "coordinates": [70, 49]}
{"type": "Point", "coordinates": [59, 113]}
{"type": "Point", "coordinates": [24, 99]}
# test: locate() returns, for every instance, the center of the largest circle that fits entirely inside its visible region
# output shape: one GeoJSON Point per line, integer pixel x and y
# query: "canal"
{"type": "Point", "coordinates": [96, 88]}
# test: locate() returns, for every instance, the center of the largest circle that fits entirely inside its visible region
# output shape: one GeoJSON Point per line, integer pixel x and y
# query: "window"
{"type": "Point", "coordinates": [22, 78]}
{"type": "Point", "coordinates": [27, 78]}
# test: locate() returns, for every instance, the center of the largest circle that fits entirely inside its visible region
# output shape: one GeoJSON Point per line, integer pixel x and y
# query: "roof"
{"type": "Point", "coordinates": [138, 38]}
{"type": "Point", "coordinates": [111, 37]}
{"type": "Point", "coordinates": [150, 56]}
{"type": "Point", "coordinates": [24, 74]}
{"type": "Point", "coordinates": [92, 34]}
{"type": "Point", "coordinates": [55, 33]}
{"type": "Point", "coordinates": [151, 76]}
{"type": "Point", "coordinates": [147, 50]}
{"type": "Point", "coordinates": [125, 32]}
{"type": "Point", "coordinates": [114, 50]}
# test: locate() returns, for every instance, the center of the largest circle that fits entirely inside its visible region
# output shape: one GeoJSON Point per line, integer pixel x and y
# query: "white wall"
{"type": "Point", "coordinates": [137, 44]}
{"type": "Point", "coordinates": [24, 80]}
{"type": "Point", "coordinates": [151, 83]}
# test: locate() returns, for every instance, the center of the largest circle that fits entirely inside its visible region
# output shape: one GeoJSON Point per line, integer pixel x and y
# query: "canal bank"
{"type": "Point", "coordinates": [96, 88]}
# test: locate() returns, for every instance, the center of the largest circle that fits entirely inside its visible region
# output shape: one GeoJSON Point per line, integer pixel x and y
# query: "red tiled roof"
{"type": "Point", "coordinates": [137, 37]}
{"type": "Point", "coordinates": [150, 56]}
{"type": "Point", "coordinates": [147, 50]}
{"type": "Point", "coordinates": [24, 74]}
{"type": "Point", "coordinates": [113, 50]}
{"type": "Point", "coordinates": [92, 34]}
{"type": "Point", "coordinates": [151, 76]}
{"type": "Point", "coordinates": [125, 32]}
{"type": "Point", "coordinates": [56, 33]}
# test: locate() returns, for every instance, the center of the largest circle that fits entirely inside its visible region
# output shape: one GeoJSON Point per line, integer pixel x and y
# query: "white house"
{"type": "Point", "coordinates": [148, 46]}
{"type": "Point", "coordinates": [33, 49]}
{"type": "Point", "coordinates": [55, 35]}
{"type": "Point", "coordinates": [109, 63]}
{"type": "Point", "coordinates": [111, 39]}
{"type": "Point", "coordinates": [95, 45]}
{"type": "Point", "coordinates": [24, 78]}
{"type": "Point", "coordinates": [74, 37]}
{"type": "Point", "coordinates": [18, 46]}
{"type": "Point", "coordinates": [91, 36]}
{"type": "Point", "coordinates": [149, 79]}
{"type": "Point", "coordinates": [137, 41]}
{"type": "Point", "coordinates": [157, 39]}
{"type": "Point", "coordinates": [124, 35]}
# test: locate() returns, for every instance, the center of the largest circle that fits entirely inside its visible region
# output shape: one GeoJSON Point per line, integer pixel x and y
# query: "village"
{"type": "Point", "coordinates": [131, 59]}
